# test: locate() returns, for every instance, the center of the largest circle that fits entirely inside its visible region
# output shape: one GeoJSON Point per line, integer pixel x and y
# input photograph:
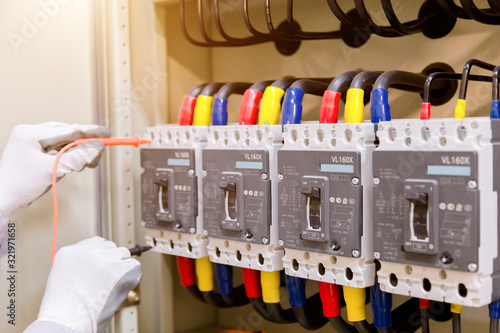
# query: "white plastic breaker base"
{"type": "Point", "coordinates": [311, 265]}
{"type": "Point", "coordinates": [445, 283]}
{"type": "Point", "coordinates": [192, 245]}
{"type": "Point", "coordinates": [262, 257]}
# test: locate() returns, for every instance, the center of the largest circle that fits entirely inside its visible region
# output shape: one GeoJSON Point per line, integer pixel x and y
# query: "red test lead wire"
{"type": "Point", "coordinates": [135, 141]}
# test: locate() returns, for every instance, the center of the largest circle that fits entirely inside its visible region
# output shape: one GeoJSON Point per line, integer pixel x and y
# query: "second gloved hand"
{"type": "Point", "coordinates": [87, 283]}
{"type": "Point", "coordinates": [26, 165]}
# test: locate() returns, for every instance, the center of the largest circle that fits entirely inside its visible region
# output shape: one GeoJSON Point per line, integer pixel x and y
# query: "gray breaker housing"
{"type": "Point", "coordinates": [239, 180]}
{"type": "Point", "coordinates": [435, 223]}
{"type": "Point", "coordinates": [172, 168]}
{"type": "Point", "coordinates": [333, 243]}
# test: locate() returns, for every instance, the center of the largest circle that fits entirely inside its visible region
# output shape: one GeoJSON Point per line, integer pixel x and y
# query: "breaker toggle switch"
{"type": "Point", "coordinates": [166, 196]}
{"type": "Point", "coordinates": [313, 207]}
{"type": "Point", "coordinates": [419, 215]}
{"type": "Point", "coordinates": [230, 203]}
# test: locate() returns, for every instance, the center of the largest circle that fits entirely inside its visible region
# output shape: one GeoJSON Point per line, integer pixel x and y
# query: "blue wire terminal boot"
{"type": "Point", "coordinates": [219, 111]}
{"type": "Point", "coordinates": [380, 109]}
{"type": "Point", "coordinates": [296, 291]}
{"type": "Point", "coordinates": [494, 309]}
{"type": "Point", "coordinates": [292, 106]}
{"type": "Point", "coordinates": [224, 274]}
{"type": "Point", "coordinates": [495, 110]}
{"type": "Point", "coordinates": [382, 305]}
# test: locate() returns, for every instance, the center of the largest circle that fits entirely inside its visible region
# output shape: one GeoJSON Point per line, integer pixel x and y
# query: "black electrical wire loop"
{"type": "Point", "coordinates": [232, 88]}
{"type": "Point", "coordinates": [341, 15]}
{"type": "Point", "coordinates": [424, 320]}
{"type": "Point", "coordinates": [214, 299]}
{"type": "Point", "coordinates": [278, 314]}
{"type": "Point", "coordinates": [341, 326]}
{"type": "Point", "coordinates": [495, 80]}
{"type": "Point", "coordinates": [466, 72]}
{"type": "Point", "coordinates": [311, 316]}
{"type": "Point", "coordinates": [275, 33]}
{"type": "Point", "coordinates": [238, 297]}
{"type": "Point", "coordinates": [308, 35]}
{"type": "Point", "coordinates": [252, 40]}
{"type": "Point", "coordinates": [495, 5]}
{"type": "Point", "coordinates": [249, 25]}
{"type": "Point", "coordinates": [370, 24]}
{"type": "Point", "coordinates": [364, 327]}
{"type": "Point", "coordinates": [196, 293]}
{"type": "Point", "coordinates": [403, 28]}
{"type": "Point", "coordinates": [448, 76]}
{"type": "Point", "coordinates": [451, 8]}
{"type": "Point", "coordinates": [481, 15]}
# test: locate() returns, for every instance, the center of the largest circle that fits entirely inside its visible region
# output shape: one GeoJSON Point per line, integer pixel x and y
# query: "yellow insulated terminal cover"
{"type": "Point", "coordinates": [355, 303]}
{"type": "Point", "coordinates": [354, 106]}
{"type": "Point", "coordinates": [460, 109]}
{"type": "Point", "coordinates": [205, 274]}
{"type": "Point", "coordinates": [270, 107]}
{"type": "Point", "coordinates": [270, 283]}
{"type": "Point", "coordinates": [203, 111]}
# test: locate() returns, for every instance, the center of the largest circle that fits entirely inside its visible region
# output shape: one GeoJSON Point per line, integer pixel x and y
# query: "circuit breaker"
{"type": "Point", "coordinates": [324, 209]}
{"type": "Point", "coordinates": [171, 206]}
{"type": "Point", "coordinates": [239, 174]}
{"type": "Point", "coordinates": [435, 209]}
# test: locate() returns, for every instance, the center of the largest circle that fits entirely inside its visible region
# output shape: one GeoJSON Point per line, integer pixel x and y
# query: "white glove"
{"type": "Point", "coordinates": [26, 165]}
{"type": "Point", "coordinates": [87, 283]}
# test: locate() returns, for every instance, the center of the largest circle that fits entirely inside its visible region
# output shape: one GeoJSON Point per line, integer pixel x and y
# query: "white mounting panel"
{"type": "Point", "coordinates": [263, 257]}
{"type": "Point", "coordinates": [335, 137]}
{"type": "Point", "coordinates": [169, 242]}
{"type": "Point", "coordinates": [444, 136]}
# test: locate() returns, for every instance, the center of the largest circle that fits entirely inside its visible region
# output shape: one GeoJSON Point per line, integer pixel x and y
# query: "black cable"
{"type": "Point", "coordinates": [341, 326]}
{"type": "Point", "coordinates": [424, 320]}
{"type": "Point", "coordinates": [311, 86]}
{"type": "Point", "coordinates": [451, 8]}
{"type": "Point", "coordinates": [259, 306]}
{"type": "Point", "coordinates": [261, 86]}
{"type": "Point", "coordinates": [384, 330]}
{"type": "Point", "coordinates": [389, 78]}
{"type": "Point", "coordinates": [406, 317]}
{"type": "Point", "coordinates": [197, 90]}
{"type": "Point", "coordinates": [269, 23]}
{"type": "Point", "coordinates": [364, 79]}
{"type": "Point", "coordinates": [249, 25]}
{"type": "Point", "coordinates": [466, 72]}
{"type": "Point", "coordinates": [311, 315]}
{"type": "Point", "coordinates": [363, 327]}
{"type": "Point", "coordinates": [196, 293]}
{"type": "Point", "coordinates": [342, 82]}
{"type": "Point", "coordinates": [278, 314]}
{"type": "Point", "coordinates": [232, 88]}
{"type": "Point", "coordinates": [211, 88]}
{"type": "Point", "coordinates": [242, 41]}
{"type": "Point", "coordinates": [238, 297]}
{"type": "Point", "coordinates": [495, 5]}
{"type": "Point", "coordinates": [493, 325]}
{"type": "Point", "coordinates": [341, 15]}
{"type": "Point", "coordinates": [214, 299]}
{"type": "Point", "coordinates": [403, 28]}
{"type": "Point", "coordinates": [448, 76]}
{"type": "Point", "coordinates": [456, 323]}
{"type": "Point", "coordinates": [496, 93]}
{"type": "Point", "coordinates": [483, 16]}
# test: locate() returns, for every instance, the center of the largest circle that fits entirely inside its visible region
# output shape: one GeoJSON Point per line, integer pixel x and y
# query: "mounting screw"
{"type": "Point", "coordinates": [263, 176]}
{"type": "Point", "coordinates": [133, 297]}
{"type": "Point", "coordinates": [446, 258]}
{"type": "Point", "coordinates": [335, 246]}
{"type": "Point", "coordinates": [265, 240]}
{"type": "Point", "coordinates": [355, 253]}
{"type": "Point", "coordinates": [205, 232]}
{"type": "Point", "coordinates": [191, 172]}
{"type": "Point", "coordinates": [355, 181]}
{"type": "Point", "coordinates": [178, 225]}
{"type": "Point", "coordinates": [248, 234]}
{"type": "Point", "coordinates": [472, 184]}
{"type": "Point", "coordinates": [472, 267]}
{"type": "Point", "coordinates": [357, 128]}
{"type": "Point", "coordinates": [377, 255]}
{"type": "Point", "coordinates": [143, 223]}
{"type": "Point", "coordinates": [204, 173]}
{"type": "Point", "coordinates": [281, 243]}
{"type": "Point", "coordinates": [376, 181]}
{"type": "Point", "coordinates": [280, 177]}
{"type": "Point", "coordinates": [192, 230]}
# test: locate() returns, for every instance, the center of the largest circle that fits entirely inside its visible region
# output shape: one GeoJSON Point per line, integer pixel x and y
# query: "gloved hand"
{"type": "Point", "coordinates": [87, 283]}
{"type": "Point", "coordinates": [26, 165]}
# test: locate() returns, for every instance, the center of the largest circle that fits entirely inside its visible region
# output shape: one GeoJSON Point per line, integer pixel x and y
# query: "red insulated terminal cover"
{"type": "Point", "coordinates": [329, 111]}
{"type": "Point", "coordinates": [186, 112]}
{"type": "Point", "coordinates": [424, 303]}
{"type": "Point", "coordinates": [251, 278]}
{"type": "Point", "coordinates": [249, 107]}
{"type": "Point", "coordinates": [186, 269]}
{"type": "Point", "coordinates": [425, 111]}
{"type": "Point", "coordinates": [330, 297]}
